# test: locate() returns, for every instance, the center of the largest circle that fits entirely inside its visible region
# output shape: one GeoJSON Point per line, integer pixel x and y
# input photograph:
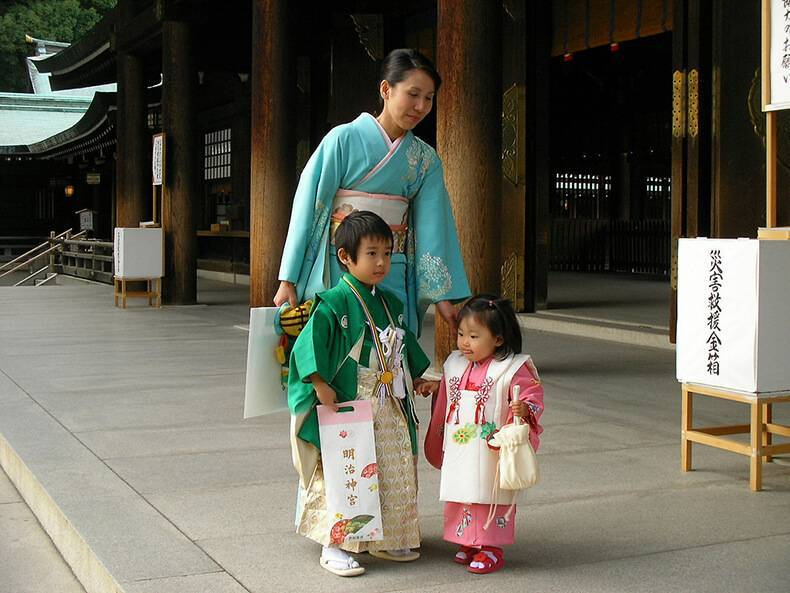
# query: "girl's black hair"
{"type": "Point", "coordinates": [399, 62]}
{"type": "Point", "coordinates": [499, 317]}
{"type": "Point", "coordinates": [355, 226]}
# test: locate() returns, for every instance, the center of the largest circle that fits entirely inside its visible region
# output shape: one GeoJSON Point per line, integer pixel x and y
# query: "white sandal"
{"type": "Point", "coordinates": [405, 555]}
{"type": "Point", "coordinates": [347, 567]}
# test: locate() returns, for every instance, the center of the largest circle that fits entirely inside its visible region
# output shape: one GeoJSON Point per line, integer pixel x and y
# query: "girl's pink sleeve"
{"type": "Point", "coordinates": [434, 436]}
{"type": "Point", "coordinates": [531, 393]}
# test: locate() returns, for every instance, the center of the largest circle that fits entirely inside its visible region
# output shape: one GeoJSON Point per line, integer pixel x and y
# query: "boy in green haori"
{"type": "Point", "coordinates": [337, 358]}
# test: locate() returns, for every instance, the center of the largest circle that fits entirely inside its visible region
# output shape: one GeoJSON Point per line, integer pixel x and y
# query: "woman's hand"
{"type": "Point", "coordinates": [285, 294]}
{"type": "Point", "coordinates": [426, 388]}
{"type": "Point", "coordinates": [450, 315]}
{"type": "Point", "coordinates": [325, 394]}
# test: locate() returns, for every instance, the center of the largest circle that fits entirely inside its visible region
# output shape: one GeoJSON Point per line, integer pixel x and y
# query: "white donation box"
{"type": "Point", "coordinates": [733, 324]}
{"type": "Point", "coordinates": [138, 253]}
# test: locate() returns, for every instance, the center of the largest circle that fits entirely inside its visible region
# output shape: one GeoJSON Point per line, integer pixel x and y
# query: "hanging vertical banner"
{"type": "Point", "coordinates": [157, 161]}
{"type": "Point", "coordinates": [776, 44]}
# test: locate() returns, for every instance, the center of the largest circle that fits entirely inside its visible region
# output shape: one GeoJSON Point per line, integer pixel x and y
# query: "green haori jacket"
{"type": "Point", "coordinates": [335, 337]}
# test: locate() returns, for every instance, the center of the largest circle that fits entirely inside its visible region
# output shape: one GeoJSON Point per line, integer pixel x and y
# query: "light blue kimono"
{"type": "Point", "coordinates": [430, 270]}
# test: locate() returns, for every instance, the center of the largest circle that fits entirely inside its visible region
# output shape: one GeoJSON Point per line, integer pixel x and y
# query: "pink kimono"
{"type": "Point", "coordinates": [473, 401]}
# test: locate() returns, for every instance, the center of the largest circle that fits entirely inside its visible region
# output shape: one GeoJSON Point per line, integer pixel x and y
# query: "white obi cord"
{"type": "Point", "coordinates": [392, 343]}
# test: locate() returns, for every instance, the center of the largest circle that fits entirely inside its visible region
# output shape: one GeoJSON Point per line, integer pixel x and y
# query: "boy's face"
{"type": "Point", "coordinates": [374, 257]}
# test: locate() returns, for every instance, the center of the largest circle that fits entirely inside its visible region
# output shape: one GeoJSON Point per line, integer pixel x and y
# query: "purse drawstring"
{"type": "Point", "coordinates": [496, 489]}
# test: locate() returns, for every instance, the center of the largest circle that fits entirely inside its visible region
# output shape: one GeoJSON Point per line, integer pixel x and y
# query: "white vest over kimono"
{"type": "Point", "coordinates": [469, 466]}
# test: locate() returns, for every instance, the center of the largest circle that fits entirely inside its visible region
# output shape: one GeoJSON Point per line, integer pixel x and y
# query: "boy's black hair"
{"type": "Point", "coordinates": [355, 226]}
{"type": "Point", "coordinates": [499, 317]}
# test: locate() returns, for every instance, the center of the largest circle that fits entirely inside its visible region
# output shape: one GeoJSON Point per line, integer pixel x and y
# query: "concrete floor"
{"type": "Point", "coordinates": [123, 431]}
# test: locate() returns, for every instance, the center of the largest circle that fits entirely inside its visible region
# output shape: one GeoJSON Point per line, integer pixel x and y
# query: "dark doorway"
{"type": "Point", "coordinates": [610, 158]}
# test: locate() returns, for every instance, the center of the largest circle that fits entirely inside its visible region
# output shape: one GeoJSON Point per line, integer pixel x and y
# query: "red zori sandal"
{"type": "Point", "coordinates": [487, 560]}
{"type": "Point", "coordinates": [464, 555]}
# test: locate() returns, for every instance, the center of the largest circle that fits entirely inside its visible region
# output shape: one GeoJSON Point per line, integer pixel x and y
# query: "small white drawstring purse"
{"type": "Point", "coordinates": [517, 468]}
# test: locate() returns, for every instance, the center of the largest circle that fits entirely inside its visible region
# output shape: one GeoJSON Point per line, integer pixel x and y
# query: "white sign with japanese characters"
{"type": "Point", "coordinates": [779, 66]}
{"type": "Point", "coordinates": [733, 324]}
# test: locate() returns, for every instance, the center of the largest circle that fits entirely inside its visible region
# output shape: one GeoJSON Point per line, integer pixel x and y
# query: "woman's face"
{"type": "Point", "coordinates": [410, 100]}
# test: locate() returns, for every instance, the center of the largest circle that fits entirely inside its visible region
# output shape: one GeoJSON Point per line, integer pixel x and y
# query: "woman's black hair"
{"type": "Point", "coordinates": [500, 319]}
{"type": "Point", "coordinates": [399, 62]}
{"type": "Point", "coordinates": [355, 226]}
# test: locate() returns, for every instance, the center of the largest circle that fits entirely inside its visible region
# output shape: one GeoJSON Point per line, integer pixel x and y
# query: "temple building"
{"type": "Point", "coordinates": [576, 135]}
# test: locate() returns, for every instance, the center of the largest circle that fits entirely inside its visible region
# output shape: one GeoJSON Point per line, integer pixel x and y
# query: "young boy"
{"type": "Point", "coordinates": [356, 346]}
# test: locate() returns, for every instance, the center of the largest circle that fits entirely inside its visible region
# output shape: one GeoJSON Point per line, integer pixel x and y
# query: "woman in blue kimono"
{"type": "Point", "coordinates": [378, 164]}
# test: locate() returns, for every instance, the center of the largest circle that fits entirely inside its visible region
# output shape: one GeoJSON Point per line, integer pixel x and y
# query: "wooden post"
{"type": "Point", "coordinates": [770, 169]}
{"type": "Point", "coordinates": [756, 460]}
{"type": "Point", "coordinates": [679, 99]}
{"type": "Point", "coordinates": [770, 119]}
{"type": "Point", "coordinates": [538, 218]}
{"type": "Point", "coordinates": [181, 183]}
{"type": "Point", "coordinates": [767, 439]}
{"type": "Point", "coordinates": [686, 420]}
{"type": "Point", "coordinates": [273, 143]}
{"type": "Point", "coordinates": [133, 174]}
{"type": "Point", "coordinates": [468, 134]}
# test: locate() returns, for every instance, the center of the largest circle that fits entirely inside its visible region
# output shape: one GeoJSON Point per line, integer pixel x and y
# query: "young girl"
{"type": "Point", "coordinates": [475, 398]}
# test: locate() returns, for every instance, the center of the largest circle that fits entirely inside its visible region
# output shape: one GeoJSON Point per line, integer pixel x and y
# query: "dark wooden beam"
{"type": "Point", "coordinates": [273, 142]}
{"type": "Point", "coordinates": [182, 172]}
{"type": "Point", "coordinates": [133, 190]}
{"type": "Point", "coordinates": [469, 132]}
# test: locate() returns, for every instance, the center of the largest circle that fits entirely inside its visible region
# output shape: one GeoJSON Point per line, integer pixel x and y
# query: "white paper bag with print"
{"type": "Point", "coordinates": [348, 456]}
{"type": "Point", "coordinates": [263, 392]}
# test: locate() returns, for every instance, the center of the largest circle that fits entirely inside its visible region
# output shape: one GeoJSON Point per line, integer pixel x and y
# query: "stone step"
{"type": "Point", "coordinates": [112, 537]}
{"type": "Point", "coordinates": [599, 329]}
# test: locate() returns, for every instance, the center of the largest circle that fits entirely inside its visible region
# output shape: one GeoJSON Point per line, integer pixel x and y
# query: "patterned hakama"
{"type": "Point", "coordinates": [397, 480]}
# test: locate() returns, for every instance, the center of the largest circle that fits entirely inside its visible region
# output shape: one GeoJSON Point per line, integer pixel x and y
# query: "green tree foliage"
{"type": "Point", "coordinates": [55, 20]}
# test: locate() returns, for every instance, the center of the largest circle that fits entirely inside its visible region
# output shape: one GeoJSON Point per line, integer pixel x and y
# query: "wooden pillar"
{"type": "Point", "coordinates": [133, 182]}
{"type": "Point", "coordinates": [273, 143]}
{"type": "Point", "coordinates": [182, 182]}
{"type": "Point", "coordinates": [468, 137]}
{"type": "Point", "coordinates": [738, 156]}
{"type": "Point", "coordinates": [538, 182]}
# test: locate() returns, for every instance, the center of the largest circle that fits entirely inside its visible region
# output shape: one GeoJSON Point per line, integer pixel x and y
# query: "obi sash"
{"type": "Point", "coordinates": [393, 209]}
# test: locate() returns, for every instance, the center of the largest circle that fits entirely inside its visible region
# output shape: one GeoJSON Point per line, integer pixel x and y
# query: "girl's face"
{"type": "Point", "coordinates": [410, 100]}
{"type": "Point", "coordinates": [475, 340]}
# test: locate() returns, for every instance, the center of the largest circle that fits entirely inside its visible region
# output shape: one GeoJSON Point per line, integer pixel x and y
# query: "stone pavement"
{"type": "Point", "coordinates": [31, 564]}
{"type": "Point", "coordinates": [122, 431]}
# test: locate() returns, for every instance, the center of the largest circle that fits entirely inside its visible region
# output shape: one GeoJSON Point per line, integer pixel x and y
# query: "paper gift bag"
{"type": "Point", "coordinates": [263, 392]}
{"type": "Point", "coordinates": [348, 455]}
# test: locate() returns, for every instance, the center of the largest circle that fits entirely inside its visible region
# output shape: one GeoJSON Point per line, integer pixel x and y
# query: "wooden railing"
{"type": "Point", "coordinates": [585, 245]}
{"type": "Point", "coordinates": [68, 254]}
{"type": "Point", "coordinates": [92, 260]}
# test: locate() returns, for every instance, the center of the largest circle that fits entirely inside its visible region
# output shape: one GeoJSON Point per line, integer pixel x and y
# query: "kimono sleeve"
{"type": "Point", "coordinates": [312, 203]}
{"type": "Point", "coordinates": [415, 355]}
{"type": "Point", "coordinates": [312, 353]}
{"type": "Point", "coordinates": [439, 264]}
{"type": "Point", "coordinates": [434, 436]}
{"type": "Point", "coordinates": [531, 393]}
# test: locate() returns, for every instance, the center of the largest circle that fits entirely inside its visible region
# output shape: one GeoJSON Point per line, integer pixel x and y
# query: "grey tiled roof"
{"type": "Point", "coordinates": [27, 118]}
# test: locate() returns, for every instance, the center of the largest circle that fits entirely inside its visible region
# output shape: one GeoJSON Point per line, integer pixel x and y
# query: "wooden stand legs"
{"type": "Point", "coordinates": [686, 415]}
{"type": "Point", "coordinates": [153, 291]}
{"type": "Point", "coordinates": [756, 437]}
{"type": "Point", "coordinates": [760, 429]}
